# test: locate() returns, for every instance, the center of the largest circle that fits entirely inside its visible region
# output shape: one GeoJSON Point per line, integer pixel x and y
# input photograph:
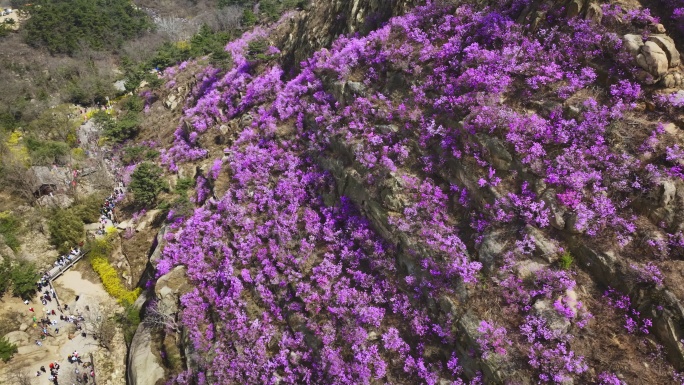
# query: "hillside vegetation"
{"type": "Point", "coordinates": [64, 26]}
{"type": "Point", "coordinates": [452, 198]}
{"type": "Point", "coordinates": [470, 192]}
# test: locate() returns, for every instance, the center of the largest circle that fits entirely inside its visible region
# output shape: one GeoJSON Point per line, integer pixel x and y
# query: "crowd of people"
{"type": "Point", "coordinates": [82, 376]}
{"type": "Point", "coordinates": [64, 259]}
{"type": "Point", "coordinates": [107, 212]}
{"type": "Point", "coordinates": [62, 317]}
{"type": "Point", "coordinates": [50, 327]}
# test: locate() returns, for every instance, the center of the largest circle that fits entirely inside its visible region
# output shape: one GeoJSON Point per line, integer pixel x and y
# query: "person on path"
{"type": "Point", "coordinates": [42, 369]}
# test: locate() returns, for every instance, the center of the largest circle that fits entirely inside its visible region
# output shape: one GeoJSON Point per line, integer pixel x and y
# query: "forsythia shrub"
{"type": "Point", "coordinates": [110, 278]}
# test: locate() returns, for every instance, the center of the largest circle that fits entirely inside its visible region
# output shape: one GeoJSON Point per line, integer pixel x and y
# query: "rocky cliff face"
{"type": "Point", "coordinates": [323, 21]}
{"type": "Point", "coordinates": [464, 194]}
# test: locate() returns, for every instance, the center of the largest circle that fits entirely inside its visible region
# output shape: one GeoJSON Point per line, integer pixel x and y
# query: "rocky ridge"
{"type": "Point", "coordinates": [384, 197]}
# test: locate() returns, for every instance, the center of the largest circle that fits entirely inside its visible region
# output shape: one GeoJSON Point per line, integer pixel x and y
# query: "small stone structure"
{"type": "Point", "coordinates": [46, 180]}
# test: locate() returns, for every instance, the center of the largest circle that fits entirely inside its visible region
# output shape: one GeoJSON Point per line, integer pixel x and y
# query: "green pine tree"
{"type": "Point", "coordinates": [7, 349]}
{"type": "Point", "coordinates": [146, 183]}
{"type": "Point", "coordinates": [24, 277]}
{"type": "Point", "coordinates": [66, 229]}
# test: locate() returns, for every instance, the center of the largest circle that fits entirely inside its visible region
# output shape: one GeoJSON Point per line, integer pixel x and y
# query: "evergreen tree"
{"type": "Point", "coordinates": [5, 276]}
{"type": "Point", "coordinates": [146, 183]}
{"type": "Point", "coordinates": [7, 349]}
{"type": "Point", "coordinates": [66, 229]}
{"type": "Point", "coordinates": [24, 277]}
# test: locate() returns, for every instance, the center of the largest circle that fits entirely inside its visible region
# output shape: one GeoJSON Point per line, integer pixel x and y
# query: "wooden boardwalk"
{"type": "Point", "coordinates": [59, 270]}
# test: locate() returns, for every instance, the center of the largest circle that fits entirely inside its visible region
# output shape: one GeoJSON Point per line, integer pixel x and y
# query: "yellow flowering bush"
{"type": "Point", "coordinates": [99, 259]}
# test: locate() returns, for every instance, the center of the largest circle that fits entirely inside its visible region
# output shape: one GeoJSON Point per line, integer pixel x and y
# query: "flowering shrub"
{"type": "Point", "coordinates": [633, 320]}
{"type": "Point", "coordinates": [99, 259]}
{"type": "Point", "coordinates": [648, 273]}
{"type": "Point", "coordinates": [492, 339]}
{"type": "Point", "coordinates": [289, 289]}
{"type": "Point", "coordinates": [609, 379]}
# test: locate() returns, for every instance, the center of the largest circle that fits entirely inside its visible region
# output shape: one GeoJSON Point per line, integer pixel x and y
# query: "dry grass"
{"type": "Point", "coordinates": [10, 320]}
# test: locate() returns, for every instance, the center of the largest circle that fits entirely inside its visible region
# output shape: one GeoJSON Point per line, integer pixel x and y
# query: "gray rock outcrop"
{"type": "Point", "coordinates": [668, 46]}
{"type": "Point", "coordinates": [632, 43]}
{"type": "Point", "coordinates": [653, 59]}
{"type": "Point", "coordinates": [171, 286]}
{"type": "Point", "coordinates": [144, 366]}
{"type": "Point", "coordinates": [18, 338]}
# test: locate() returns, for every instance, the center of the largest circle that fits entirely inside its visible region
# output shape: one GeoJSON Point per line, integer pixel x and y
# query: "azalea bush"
{"type": "Point", "coordinates": [439, 115]}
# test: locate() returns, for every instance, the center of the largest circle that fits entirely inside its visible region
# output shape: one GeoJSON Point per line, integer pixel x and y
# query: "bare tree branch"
{"type": "Point", "coordinates": [16, 178]}
{"type": "Point", "coordinates": [19, 378]}
{"type": "Point", "coordinates": [100, 324]}
{"type": "Point", "coordinates": [162, 316]}
{"type": "Point", "coordinates": [176, 28]}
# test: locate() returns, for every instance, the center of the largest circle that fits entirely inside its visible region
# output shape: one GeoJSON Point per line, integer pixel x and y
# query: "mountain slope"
{"type": "Point", "coordinates": [467, 193]}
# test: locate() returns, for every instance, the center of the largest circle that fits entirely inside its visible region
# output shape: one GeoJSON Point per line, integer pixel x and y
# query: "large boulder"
{"type": "Point", "coordinates": [632, 43]}
{"type": "Point", "coordinates": [653, 59]}
{"type": "Point", "coordinates": [668, 46]}
{"type": "Point", "coordinates": [56, 200]}
{"type": "Point", "coordinates": [18, 338]}
{"type": "Point", "coordinates": [144, 366]}
{"type": "Point", "coordinates": [170, 287]}
{"type": "Point", "coordinates": [149, 218]}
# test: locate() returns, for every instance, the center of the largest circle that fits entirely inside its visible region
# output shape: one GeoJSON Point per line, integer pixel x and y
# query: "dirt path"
{"type": "Point", "coordinates": [58, 346]}
{"type": "Point", "coordinates": [85, 298]}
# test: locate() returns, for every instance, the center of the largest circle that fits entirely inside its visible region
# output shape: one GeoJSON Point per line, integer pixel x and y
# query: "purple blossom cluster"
{"type": "Point", "coordinates": [492, 339]}
{"type": "Point", "coordinates": [609, 379]}
{"type": "Point", "coordinates": [633, 321]}
{"type": "Point", "coordinates": [649, 273]}
{"type": "Point", "coordinates": [289, 289]}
